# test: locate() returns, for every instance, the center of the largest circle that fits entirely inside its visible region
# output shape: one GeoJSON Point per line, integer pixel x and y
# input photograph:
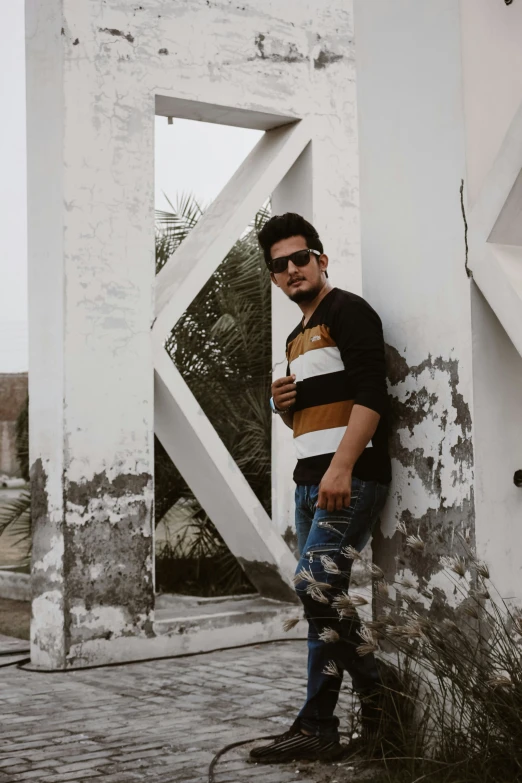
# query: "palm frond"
{"type": "Point", "coordinates": [15, 517]}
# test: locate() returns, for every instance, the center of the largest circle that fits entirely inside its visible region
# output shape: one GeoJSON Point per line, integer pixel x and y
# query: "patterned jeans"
{"type": "Point", "coordinates": [323, 533]}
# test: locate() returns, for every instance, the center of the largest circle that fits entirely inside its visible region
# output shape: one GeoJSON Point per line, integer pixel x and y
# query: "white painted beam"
{"type": "Point", "coordinates": [210, 471]}
{"type": "Point", "coordinates": [495, 235]}
{"type": "Point", "coordinates": [255, 117]}
{"type": "Point", "coordinates": [185, 274]}
{"type": "Point", "coordinates": [295, 193]}
{"type": "Point", "coordinates": [498, 274]}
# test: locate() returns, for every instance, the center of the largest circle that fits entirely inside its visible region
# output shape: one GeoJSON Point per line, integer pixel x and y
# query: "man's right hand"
{"type": "Point", "coordinates": [284, 392]}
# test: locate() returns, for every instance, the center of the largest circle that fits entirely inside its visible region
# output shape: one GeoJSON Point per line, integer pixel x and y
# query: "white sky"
{"type": "Point", "coordinates": [190, 157]}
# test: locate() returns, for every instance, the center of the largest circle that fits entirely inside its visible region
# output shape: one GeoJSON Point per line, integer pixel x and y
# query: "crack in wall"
{"type": "Point", "coordinates": [463, 210]}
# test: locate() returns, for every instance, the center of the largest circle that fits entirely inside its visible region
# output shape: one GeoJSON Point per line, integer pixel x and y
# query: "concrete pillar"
{"type": "Point", "coordinates": [91, 271]}
{"type": "Point", "coordinates": [412, 162]}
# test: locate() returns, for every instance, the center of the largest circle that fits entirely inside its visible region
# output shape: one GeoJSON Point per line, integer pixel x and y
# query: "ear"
{"type": "Point", "coordinates": [323, 262]}
{"type": "Point", "coordinates": [273, 279]}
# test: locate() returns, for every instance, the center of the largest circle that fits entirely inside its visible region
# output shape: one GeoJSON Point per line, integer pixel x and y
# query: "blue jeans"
{"type": "Point", "coordinates": [320, 533]}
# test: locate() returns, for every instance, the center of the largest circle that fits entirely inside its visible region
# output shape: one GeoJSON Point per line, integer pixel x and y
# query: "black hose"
{"type": "Point", "coordinates": [211, 778]}
{"type": "Point", "coordinates": [14, 663]}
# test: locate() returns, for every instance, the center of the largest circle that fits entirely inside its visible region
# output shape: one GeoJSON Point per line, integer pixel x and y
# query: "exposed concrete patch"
{"type": "Point", "coordinates": [278, 51]}
{"type": "Point", "coordinates": [439, 529]}
{"type": "Point", "coordinates": [267, 580]}
{"type": "Point", "coordinates": [108, 558]}
{"type": "Point", "coordinates": [81, 494]}
{"type": "Point", "coordinates": [416, 406]}
{"type": "Point", "coordinates": [432, 453]}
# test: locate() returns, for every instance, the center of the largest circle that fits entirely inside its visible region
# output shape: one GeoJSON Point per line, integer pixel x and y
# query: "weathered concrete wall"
{"type": "Point", "coordinates": [91, 262]}
{"type": "Point", "coordinates": [412, 161]}
{"type": "Point", "coordinates": [13, 394]}
{"type": "Point", "coordinates": [94, 72]}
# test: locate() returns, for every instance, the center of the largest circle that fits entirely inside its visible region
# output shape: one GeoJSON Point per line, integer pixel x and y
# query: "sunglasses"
{"type": "Point", "coordinates": [299, 258]}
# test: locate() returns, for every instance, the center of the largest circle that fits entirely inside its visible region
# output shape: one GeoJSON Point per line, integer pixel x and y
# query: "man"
{"type": "Point", "coordinates": [334, 398]}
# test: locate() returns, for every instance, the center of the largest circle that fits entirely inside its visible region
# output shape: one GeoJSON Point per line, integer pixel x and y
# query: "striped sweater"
{"type": "Point", "coordinates": [338, 360]}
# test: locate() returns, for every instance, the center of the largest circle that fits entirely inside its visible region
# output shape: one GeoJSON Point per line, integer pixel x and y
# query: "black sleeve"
{"type": "Point", "coordinates": [357, 330]}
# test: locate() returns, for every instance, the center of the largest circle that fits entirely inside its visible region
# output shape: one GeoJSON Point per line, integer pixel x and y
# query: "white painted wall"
{"type": "Point", "coordinates": [412, 160]}
{"type": "Point", "coordinates": [497, 379]}
{"type": "Point", "coordinates": [492, 78]}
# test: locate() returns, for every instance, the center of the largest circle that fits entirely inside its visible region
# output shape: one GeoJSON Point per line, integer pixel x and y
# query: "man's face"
{"type": "Point", "coordinates": [299, 283]}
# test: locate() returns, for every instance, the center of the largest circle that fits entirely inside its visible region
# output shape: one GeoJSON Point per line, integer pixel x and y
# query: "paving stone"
{"type": "Point", "coordinates": [159, 721]}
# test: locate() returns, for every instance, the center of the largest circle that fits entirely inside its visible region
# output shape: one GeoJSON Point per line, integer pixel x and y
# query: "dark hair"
{"type": "Point", "coordinates": [284, 226]}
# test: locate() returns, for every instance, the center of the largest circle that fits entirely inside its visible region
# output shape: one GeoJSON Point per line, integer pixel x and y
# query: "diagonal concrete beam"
{"type": "Point", "coordinates": [223, 492]}
{"type": "Point", "coordinates": [187, 271]}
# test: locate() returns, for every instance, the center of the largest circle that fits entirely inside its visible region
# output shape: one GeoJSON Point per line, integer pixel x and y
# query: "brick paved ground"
{"type": "Point", "coordinates": [160, 721]}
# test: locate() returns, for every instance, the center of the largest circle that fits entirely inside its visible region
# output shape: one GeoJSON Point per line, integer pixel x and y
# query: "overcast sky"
{"type": "Point", "coordinates": [190, 157]}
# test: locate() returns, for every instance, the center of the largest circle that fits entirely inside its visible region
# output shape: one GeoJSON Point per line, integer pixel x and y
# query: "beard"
{"type": "Point", "coordinates": [307, 295]}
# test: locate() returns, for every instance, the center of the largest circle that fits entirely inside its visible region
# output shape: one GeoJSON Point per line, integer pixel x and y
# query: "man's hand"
{"type": "Point", "coordinates": [284, 392]}
{"type": "Point", "coordinates": [335, 489]}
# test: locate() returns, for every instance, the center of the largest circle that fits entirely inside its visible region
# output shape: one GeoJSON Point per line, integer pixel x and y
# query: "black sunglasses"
{"type": "Point", "coordinates": [299, 258]}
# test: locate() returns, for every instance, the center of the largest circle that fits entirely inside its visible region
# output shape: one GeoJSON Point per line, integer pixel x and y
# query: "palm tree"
{"type": "Point", "coordinates": [222, 347]}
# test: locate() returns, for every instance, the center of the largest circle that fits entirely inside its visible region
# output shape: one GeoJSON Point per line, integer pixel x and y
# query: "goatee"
{"type": "Point", "coordinates": [305, 296]}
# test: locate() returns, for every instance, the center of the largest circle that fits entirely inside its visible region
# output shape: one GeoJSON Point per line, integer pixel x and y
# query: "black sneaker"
{"type": "Point", "coordinates": [294, 746]}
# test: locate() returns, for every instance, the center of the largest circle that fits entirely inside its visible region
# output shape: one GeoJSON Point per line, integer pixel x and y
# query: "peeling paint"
{"type": "Point", "coordinates": [418, 405]}
{"type": "Point", "coordinates": [111, 31]}
{"type": "Point", "coordinates": [108, 557]}
{"type": "Point", "coordinates": [432, 453]}
{"type": "Point", "coordinates": [287, 52]}
{"type": "Point", "coordinates": [280, 51]}
{"type": "Point", "coordinates": [326, 58]}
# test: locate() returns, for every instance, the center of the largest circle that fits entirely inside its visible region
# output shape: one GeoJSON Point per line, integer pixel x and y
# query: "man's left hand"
{"type": "Point", "coordinates": [335, 489]}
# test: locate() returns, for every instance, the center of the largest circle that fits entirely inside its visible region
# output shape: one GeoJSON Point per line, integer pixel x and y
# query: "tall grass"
{"type": "Point", "coordinates": [452, 675]}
